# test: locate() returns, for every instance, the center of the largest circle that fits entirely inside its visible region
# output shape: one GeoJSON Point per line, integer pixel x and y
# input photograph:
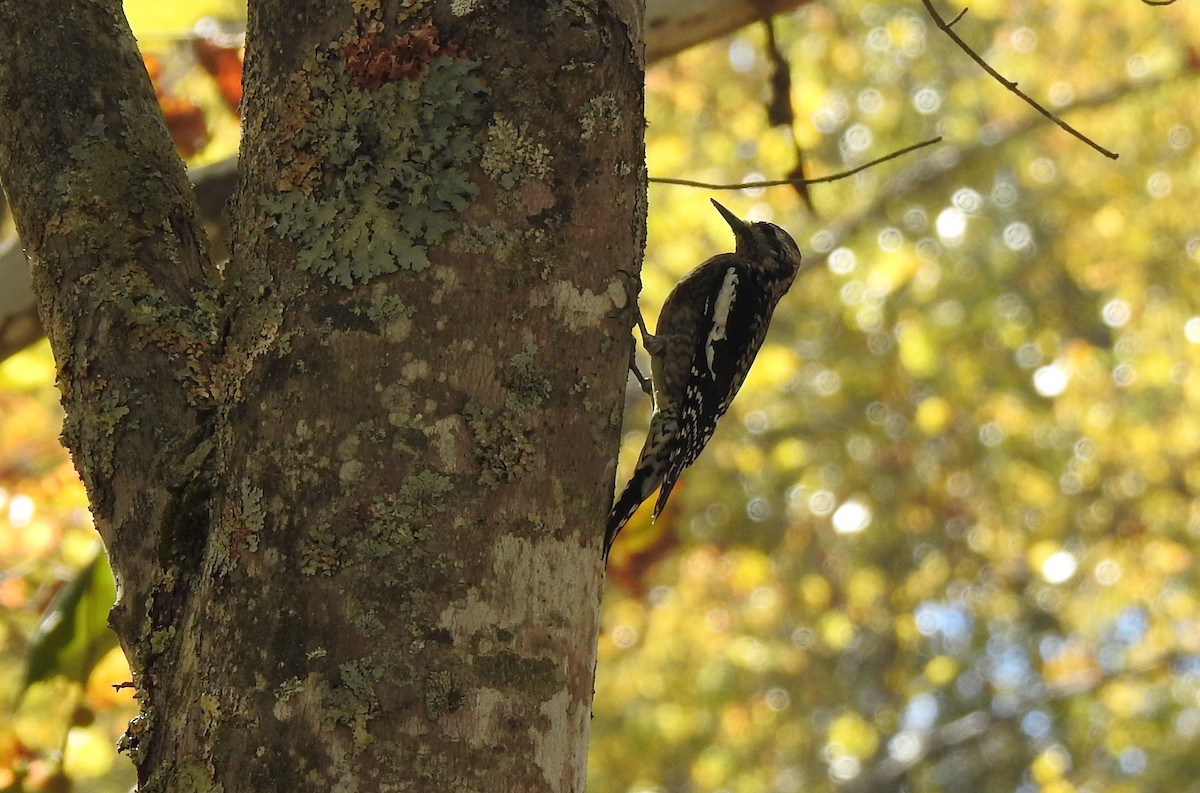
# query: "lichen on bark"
{"type": "Point", "coordinates": [386, 166]}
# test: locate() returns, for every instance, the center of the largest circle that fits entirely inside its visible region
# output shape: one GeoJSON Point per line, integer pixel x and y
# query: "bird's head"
{"type": "Point", "coordinates": [763, 242]}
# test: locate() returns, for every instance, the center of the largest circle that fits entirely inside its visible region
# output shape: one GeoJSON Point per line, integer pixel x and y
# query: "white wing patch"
{"type": "Point", "coordinates": [720, 315]}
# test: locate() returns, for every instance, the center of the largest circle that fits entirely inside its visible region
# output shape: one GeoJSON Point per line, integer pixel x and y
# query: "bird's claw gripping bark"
{"type": "Point", "coordinates": [649, 341]}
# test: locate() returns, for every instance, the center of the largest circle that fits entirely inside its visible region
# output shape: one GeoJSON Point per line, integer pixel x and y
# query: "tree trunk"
{"type": "Point", "coordinates": [353, 487]}
{"type": "Point", "coordinates": [671, 26]}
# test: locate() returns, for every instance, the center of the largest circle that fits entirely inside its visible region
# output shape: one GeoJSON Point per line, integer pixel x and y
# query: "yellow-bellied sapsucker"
{"type": "Point", "coordinates": [709, 331]}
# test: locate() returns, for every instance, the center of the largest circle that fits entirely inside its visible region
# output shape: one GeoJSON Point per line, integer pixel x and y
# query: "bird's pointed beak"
{"type": "Point", "coordinates": [737, 224]}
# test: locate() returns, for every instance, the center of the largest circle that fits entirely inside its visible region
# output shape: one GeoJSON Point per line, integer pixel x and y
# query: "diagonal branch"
{"type": "Point", "coordinates": [930, 169]}
{"type": "Point", "coordinates": [777, 182]}
{"type": "Point", "coordinates": [1009, 84]}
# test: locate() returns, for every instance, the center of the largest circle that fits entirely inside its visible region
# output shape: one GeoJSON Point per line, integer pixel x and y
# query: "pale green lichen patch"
{"type": "Point", "coordinates": [210, 710]}
{"type": "Point", "coordinates": [135, 742]}
{"type": "Point", "coordinates": [246, 519]}
{"type": "Point", "coordinates": [253, 516]}
{"type": "Point", "coordinates": [511, 157]}
{"type": "Point", "coordinates": [527, 385]}
{"type": "Point", "coordinates": [420, 496]}
{"type": "Point", "coordinates": [349, 701]}
{"type": "Point", "coordinates": [161, 639]}
{"type": "Point", "coordinates": [494, 239]}
{"type": "Point", "coordinates": [320, 550]}
{"type": "Point", "coordinates": [391, 315]}
{"type": "Point", "coordinates": [369, 624]}
{"type": "Point", "coordinates": [111, 413]}
{"type": "Point", "coordinates": [441, 694]}
{"type": "Point", "coordinates": [285, 692]}
{"type": "Point", "coordinates": [390, 168]}
{"type": "Point", "coordinates": [461, 8]}
{"type": "Point", "coordinates": [352, 702]}
{"type": "Point", "coordinates": [503, 447]}
{"type": "Point", "coordinates": [601, 116]}
{"type": "Point", "coordinates": [371, 431]}
{"type": "Point", "coordinates": [387, 308]}
{"type": "Point", "coordinates": [393, 525]}
{"type": "Point", "coordinates": [97, 434]}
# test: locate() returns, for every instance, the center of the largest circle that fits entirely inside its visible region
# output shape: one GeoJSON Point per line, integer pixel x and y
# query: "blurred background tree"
{"type": "Point", "coordinates": [944, 540]}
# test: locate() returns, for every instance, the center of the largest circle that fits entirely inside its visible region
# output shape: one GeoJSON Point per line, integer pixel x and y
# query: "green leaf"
{"type": "Point", "coordinates": [73, 634]}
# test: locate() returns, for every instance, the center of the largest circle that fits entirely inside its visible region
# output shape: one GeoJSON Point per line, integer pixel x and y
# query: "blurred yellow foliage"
{"type": "Point", "coordinates": [917, 352]}
{"type": "Point", "coordinates": [852, 735]}
{"type": "Point", "coordinates": [934, 415]}
{"type": "Point", "coordinates": [836, 629]}
{"type": "Point", "coordinates": [941, 670]}
{"type": "Point", "coordinates": [816, 592]}
{"type": "Point", "coordinates": [1003, 372]}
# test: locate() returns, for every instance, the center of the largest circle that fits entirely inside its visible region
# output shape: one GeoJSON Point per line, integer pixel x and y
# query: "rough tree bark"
{"type": "Point", "coordinates": [671, 26]}
{"type": "Point", "coordinates": [352, 487]}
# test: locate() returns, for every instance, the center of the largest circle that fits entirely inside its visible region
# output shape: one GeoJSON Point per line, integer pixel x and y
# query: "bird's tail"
{"type": "Point", "coordinates": [648, 474]}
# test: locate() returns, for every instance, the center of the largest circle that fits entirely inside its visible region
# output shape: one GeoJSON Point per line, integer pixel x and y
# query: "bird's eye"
{"type": "Point", "coordinates": [777, 239]}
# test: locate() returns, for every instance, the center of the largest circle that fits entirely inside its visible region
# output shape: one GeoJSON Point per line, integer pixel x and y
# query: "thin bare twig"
{"type": "Point", "coordinates": [928, 170]}
{"type": "Point", "coordinates": [1009, 84]}
{"type": "Point", "coordinates": [778, 182]}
